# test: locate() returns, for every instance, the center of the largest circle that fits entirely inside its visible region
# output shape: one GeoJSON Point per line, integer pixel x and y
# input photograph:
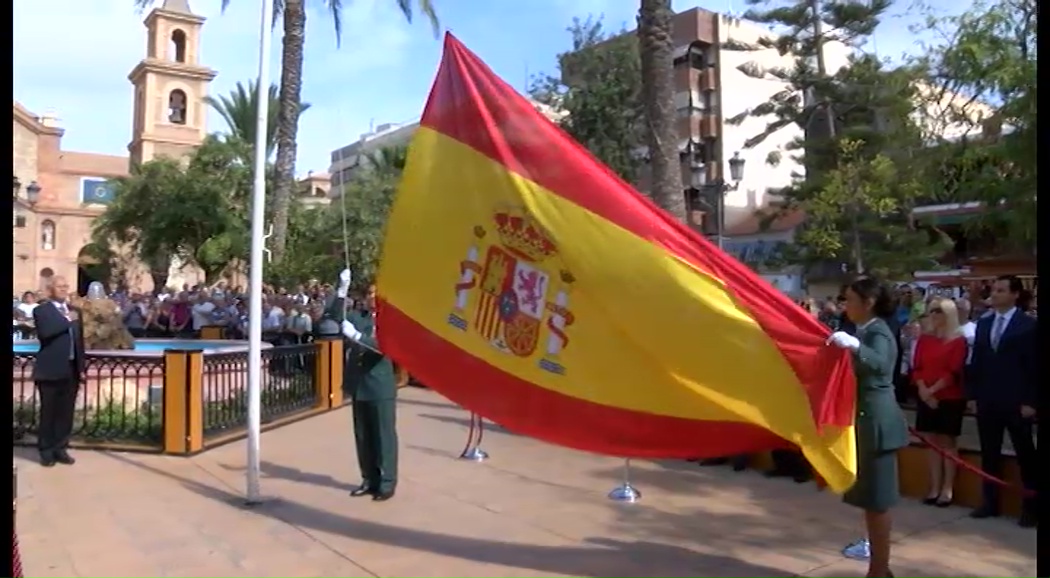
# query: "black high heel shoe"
{"type": "Point", "coordinates": [932, 501]}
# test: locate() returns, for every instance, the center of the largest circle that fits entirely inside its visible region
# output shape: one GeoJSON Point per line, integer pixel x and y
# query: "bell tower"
{"type": "Point", "coordinates": [170, 86]}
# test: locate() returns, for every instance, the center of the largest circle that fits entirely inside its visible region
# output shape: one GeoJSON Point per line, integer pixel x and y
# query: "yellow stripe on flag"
{"type": "Point", "coordinates": [729, 370]}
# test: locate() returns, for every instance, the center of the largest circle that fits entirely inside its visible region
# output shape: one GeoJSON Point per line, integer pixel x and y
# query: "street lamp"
{"type": "Point", "coordinates": [721, 187]}
{"type": "Point", "coordinates": [33, 192]}
{"type": "Point", "coordinates": [736, 168]}
{"type": "Point", "coordinates": [32, 196]}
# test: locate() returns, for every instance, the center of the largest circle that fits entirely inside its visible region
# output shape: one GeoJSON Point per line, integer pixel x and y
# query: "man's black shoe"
{"type": "Point", "coordinates": [361, 491]}
{"type": "Point", "coordinates": [48, 460]}
{"type": "Point", "coordinates": [64, 458]}
{"type": "Point", "coordinates": [984, 512]}
{"type": "Point", "coordinates": [383, 496]}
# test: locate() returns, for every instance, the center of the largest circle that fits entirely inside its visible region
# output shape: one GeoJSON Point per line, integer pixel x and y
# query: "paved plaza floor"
{"type": "Point", "coordinates": [531, 510]}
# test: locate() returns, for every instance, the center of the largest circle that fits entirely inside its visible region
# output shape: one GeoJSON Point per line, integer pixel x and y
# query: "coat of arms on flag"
{"type": "Point", "coordinates": [511, 298]}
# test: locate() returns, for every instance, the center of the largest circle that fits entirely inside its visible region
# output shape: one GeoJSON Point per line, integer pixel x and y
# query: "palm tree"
{"type": "Point", "coordinates": [293, 15]}
{"type": "Point", "coordinates": [238, 110]}
{"type": "Point", "coordinates": [388, 160]}
{"type": "Point", "coordinates": [657, 55]}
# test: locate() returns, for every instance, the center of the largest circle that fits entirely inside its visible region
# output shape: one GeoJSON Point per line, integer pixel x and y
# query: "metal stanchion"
{"type": "Point", "coordinates": [473, 452]}
{"type": "Point", "coordinates": [625, 492]}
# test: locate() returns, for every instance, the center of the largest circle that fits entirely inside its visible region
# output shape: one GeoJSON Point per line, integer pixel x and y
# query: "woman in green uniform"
{"type": "Point", "coordinates": [880, 425]}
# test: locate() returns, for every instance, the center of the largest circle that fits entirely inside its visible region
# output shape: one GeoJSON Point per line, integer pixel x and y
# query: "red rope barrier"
{"type": "Point", "coordinates": [958, 461]}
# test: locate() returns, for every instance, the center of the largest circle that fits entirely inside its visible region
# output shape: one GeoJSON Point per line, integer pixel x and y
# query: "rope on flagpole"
{"type": "Point", "coordinates": [346, 229]}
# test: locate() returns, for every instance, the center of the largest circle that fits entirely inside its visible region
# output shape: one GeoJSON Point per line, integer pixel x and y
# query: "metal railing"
{"type": "Point", "coordinates": [288, 386]}
{"type": "Point", "coordinates": [119, 400]}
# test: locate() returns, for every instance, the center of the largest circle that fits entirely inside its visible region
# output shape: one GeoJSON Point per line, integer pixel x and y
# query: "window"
{"type": "Point", "coordinates": [701, 152]}
{"type": "Point", "coordinates": [177, 48]}
{"type": "Point", "coordinates": [47, 235]}
{"type": "Point", "coordinates": [177, 107]}
{"type": "Point", "coordinates": [697, 58]}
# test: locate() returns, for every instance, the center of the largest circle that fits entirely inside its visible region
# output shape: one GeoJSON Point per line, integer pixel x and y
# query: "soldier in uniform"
{"type": "Point", "coordinates": [371, 382]}
{"type": "Point", "coordinates": [881, 429]}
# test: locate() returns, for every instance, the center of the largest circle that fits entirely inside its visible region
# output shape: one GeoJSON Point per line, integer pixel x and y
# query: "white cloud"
{"type": "Point", "coordinates": [73, 57]}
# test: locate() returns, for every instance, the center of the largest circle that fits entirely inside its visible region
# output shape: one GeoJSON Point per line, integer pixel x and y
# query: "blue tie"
{"type": "Point", "coordinates": [997, 330]}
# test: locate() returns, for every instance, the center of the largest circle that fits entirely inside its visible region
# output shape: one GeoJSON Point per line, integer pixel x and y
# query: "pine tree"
{"type": "Point", "coordinates": [857, 191]}
{"type": "Point", "coordinates": [598, 87]}
{"type": "Point", "coordinates": [987, 67]}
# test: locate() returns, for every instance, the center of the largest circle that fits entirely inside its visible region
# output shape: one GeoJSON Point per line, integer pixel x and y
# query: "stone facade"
{"type": "Point", "coordinates": [56, 228]}
{"type": "Point", "coordinates": [169, 119]}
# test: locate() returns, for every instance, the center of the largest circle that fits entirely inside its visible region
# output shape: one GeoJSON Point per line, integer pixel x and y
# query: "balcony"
{"type": "Point", "coordinates": [708, 126]}
{"type": "Point", "coordinates": [707, 79]}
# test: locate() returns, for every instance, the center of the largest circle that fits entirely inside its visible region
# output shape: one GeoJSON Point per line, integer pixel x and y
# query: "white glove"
{"type": "Point", "coordinates": [843, 340]}
{"type": "Point", "coordinates": [350, 331]}
{"type": "Point", "coordinates": [341, 292]}
{"type": "Point", "coordinates": [344, 279]}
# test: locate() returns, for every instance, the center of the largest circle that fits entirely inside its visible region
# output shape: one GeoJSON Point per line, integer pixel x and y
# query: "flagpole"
{"type": "Point", "coordinates": [262, 115]}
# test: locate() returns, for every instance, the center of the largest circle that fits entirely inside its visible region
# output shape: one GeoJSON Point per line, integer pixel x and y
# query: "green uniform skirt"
{"type": "Point", "coordinates": [878, 486]}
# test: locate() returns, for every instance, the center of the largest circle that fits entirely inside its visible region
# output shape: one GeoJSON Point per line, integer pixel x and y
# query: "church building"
{"type": "Point", "coordinates": [58, 193]}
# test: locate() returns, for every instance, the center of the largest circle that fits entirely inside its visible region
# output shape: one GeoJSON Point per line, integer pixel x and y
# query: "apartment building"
{"type": "Point", "coordinates": [721, 71]}
{"type": "Point", "coordinates": [350, 160]}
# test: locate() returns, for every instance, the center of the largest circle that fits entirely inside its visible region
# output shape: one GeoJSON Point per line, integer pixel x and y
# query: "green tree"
{"type": "Point", "coordinates": [349, 232]}
{"type": "Point", "coordinates": [984, 73]}
{"type": "Point", "coordinates": [166, 209]}
{"type": "Point", "coordinates": [292, 16]}
{"type": "Point", "coordinates": [315, 246]}
{"type": "Point", "coordinates": [656, 47]}
{"type": "Point", "coordinates": [598, 87]}
{"type": "Point", "coordinates": [811, 92]}
{"type": "Point", "coordinates": [238, 109]}
{"type": "Point", "coordinates": [364, 209]}
{"type": "Point", "coordinates": [857, 119]}
{"type": "Point", "coordinates": [388, 161]}
{"type": "Point", "coordinates": [877, 197]}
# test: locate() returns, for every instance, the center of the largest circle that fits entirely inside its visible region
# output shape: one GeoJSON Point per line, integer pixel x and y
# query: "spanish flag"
{"type": "Point", "coordinates": [526, 282]}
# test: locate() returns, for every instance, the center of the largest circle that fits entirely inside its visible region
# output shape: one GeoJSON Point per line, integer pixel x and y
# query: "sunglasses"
{"type": "Point", "coordinates": [936, 310]}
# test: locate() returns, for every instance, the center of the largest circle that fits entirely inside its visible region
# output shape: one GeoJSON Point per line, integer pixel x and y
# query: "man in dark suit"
{"type": "Point", "coordinates": [372, 384]}
{"type": "Point", "coordinates": [1002, 385]}
{"type": "Point", "coordinates": [57, 370]}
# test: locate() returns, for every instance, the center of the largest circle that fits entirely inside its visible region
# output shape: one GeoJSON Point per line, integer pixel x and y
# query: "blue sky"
{"type": "Point", "coordinates": [72, 58]}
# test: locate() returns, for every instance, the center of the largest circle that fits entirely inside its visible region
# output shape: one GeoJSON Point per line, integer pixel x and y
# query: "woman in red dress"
{"type": "Point", "coordinates": [937, 373]}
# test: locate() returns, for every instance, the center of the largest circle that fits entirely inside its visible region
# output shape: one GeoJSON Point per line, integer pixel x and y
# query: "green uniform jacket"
{"type": "Point", "coordinates": [881, 426]}
{"type": "Point", "coordinates": [369, 375]}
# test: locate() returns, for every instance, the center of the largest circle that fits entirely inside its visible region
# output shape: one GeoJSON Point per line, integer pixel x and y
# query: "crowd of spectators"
{"type": "Point", "coordinates": [289, 317]}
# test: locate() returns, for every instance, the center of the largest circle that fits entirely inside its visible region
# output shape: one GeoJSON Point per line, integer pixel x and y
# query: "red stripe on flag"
{"type": "Point", "coordinates": [567, 421]}
{"type": "Point", "coordinates": [472, 105]}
